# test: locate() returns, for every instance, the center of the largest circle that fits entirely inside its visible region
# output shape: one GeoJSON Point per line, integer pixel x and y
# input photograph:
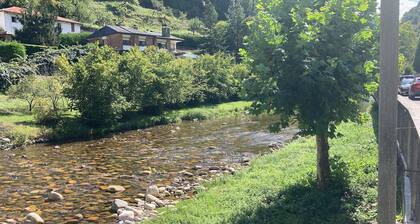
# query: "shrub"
{"type": "Point", "coordinates": [190, 40]}
{"type": "Point", "coordinates": [71, 39]}
{"type": "Point", "coordinates": [29, 90]}
{"type": "Point", "coordinates": [11, 50]}
{"type": "Point", "coordinates": [95, 87]}
{"type": "Point", "coordinates": [33, 48]}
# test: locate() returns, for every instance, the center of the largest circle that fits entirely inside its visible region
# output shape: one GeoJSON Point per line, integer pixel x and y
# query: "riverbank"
{"type": "Point", "coordinates": [280, 187]}
{"type": "Point", "coordinates": [18, 126]}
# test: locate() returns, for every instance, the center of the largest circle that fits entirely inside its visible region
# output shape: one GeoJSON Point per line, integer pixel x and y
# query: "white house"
{"type": "Point", "coordinates": [9, 21]}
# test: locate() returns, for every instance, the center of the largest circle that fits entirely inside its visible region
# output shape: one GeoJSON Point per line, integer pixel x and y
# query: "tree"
{"type": "Point", "coordinates": [28, 90]}
{"type": "Point", "coordinates": [210, 15]}
{"type": "Point", "coordinates": [79, 10]}
{"type": "Point", "coordinates": [216, 40]}
{"type": "Point", "coordinates": [416, 63]}
{"type": "Point", "coordinates": [236, 31]}
{"type": "Point", "coordinates": [408, 41]}
{"type": "Point", "coordinates": [196, 25]}
{"type": "Point", "coordinates": [39, 24]}
{"type": "Point", "coordinates": [312, 60]}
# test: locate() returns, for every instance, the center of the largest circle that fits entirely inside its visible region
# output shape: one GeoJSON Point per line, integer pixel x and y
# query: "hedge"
{"type": "Point", "coordinates": [190, 40]}
{"type": "Point", "coordinates": [11, 50]}
{"type": "Point", "coordinates": [72, 39]}
{"type": "Point", "coordinates": [33, 48]}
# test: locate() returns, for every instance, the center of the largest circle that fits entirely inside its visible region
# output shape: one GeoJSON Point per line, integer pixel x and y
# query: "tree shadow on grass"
{"type": "Point", "coordinates": [303, 203]}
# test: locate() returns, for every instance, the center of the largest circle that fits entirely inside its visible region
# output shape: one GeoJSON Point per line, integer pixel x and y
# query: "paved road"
{"type": "Point", "coordinates": [413, 107]}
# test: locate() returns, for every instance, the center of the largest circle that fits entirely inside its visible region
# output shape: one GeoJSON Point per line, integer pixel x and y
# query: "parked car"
{"type": "Point", "coordinates": [405, 84]}
{"type": "Point", "coordinates": [414, 89]}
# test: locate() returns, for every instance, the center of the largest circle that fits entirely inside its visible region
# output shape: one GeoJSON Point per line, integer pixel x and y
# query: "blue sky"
{"type": "Point", "coordinates": [406, 5]}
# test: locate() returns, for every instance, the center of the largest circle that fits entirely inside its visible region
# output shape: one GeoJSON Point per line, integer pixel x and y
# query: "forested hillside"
{"type": "Point", "coordinates": [413, 16]}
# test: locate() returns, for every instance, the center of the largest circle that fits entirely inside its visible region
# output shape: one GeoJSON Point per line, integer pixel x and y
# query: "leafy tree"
{"type": "Point", "coordinates": [416, 63]}
{"type": "Point", "coordinates": [9, 3]}
{"type": "Point", "coordinates": [312, 60]}
{"type": "Point", "coordinates": [196, 25]}
{"type": "Point", "coordinates": [28, 90]}
{"type": "Point", "coordinates": [236, 30]}
{"type": "Point", "coordinates": [39, 23]}
{"type": "Point", "coordinates": [94, 86]}
{"type": "Point", "coordinates": [216, 40]}
{"type": "Point", "coordinates": [408, 41]}
{"type": "Point", "coordinates": [210, 15]}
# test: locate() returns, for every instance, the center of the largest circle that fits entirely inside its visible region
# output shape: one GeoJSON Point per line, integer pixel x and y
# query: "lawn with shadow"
{"type": "Point", "coordinates": [281, 188]}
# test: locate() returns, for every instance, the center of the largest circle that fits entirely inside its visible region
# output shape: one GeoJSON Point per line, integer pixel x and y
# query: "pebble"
{"type": "Point", "coordinates": [11, 221]}
{"type": "Point", "coordinates": [197, 167]}
{"type": "Point", "coordinates": [54, 196]}
{"type": "Point", "coordinates": [6, 140]}
{"type": "Point", "coordinates": [78, 216]}
{"type": "Point", "coordinates": [118, 204]}
{"type": "Point", "coordinates": [185, 173]}
{"type": "Point", "coordinates": [145, 172]}
{"type": "Point", "coordinates": [179, 193]}
{"type": "Point", "coordinates": [115, 188]}
{"type": "Point", "coordinates": [57, 147]}
{"type": "Point", "coordinates": [126, 216]}
{"type": "Point", "coordinates": [150, 206]}
{"type": "Point", "coordinates": [151, 198]}
{"type": "Point", "coordinates": [33, 218]}
{"type": "Point", "coordinates": [153, 190]}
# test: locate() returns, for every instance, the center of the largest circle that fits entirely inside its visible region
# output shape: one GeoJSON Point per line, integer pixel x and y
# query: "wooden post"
{"type": "Point", "coordinates": [388, 111]}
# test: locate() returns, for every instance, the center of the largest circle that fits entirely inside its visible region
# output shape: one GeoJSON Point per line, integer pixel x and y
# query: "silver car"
{"type": "Point", "coordinates": [405, 84]}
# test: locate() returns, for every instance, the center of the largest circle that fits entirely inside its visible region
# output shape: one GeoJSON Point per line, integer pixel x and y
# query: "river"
{"type": "Point", "coordinates": [80, 171]}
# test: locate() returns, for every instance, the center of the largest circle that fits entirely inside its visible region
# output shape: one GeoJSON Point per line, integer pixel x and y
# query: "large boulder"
{"type": "Point", "coordinates": [33, 218]}
{"type": "Point", "coordinates": [117, 204]}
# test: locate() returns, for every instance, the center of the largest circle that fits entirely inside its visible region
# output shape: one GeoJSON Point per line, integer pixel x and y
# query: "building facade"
{"type": "Point", "coordinates": [123, 38]}
{"type": "Point", "coordinates": [9, 22]}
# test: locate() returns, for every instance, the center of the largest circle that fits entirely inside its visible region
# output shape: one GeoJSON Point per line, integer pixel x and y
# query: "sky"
{"type": "Point", "coordinates": [406, 5]}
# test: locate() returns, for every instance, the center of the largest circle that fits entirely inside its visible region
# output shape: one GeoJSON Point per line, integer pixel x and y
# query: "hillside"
{"type": "Point", "coordinates": [133, 15]}
{"type": "Point", "coordinates": [413, 16]}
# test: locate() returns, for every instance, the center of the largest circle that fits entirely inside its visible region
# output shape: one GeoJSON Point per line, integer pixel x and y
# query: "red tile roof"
{"type": "Point", "coordinates": [19, 10]}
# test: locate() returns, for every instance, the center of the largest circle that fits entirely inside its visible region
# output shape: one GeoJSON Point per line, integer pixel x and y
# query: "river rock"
{"type": "Point", "coordinates": [33, 218]}
{"type": "Point", "coordinates": [11, 221]}
{"type": "Point", "coordinates": [179, 193]}
{"type": "Point", "coordinates": [126, 216]}
{"type": "Point", "coordinates": [151, 198]}
{"type": "Point", "coordinates": [153, 190]}
{"type": "Point", "coordinates": [79, 217]}
{"type": "Point", "coordinates": [115, 188]}
{"type": "Point", "coordinates": [54, 196]}
{"type": "Point", "coordinates": [57, 147]}
{"type": "Point", "coordinates": [6, 140]}
{"type": "Point", "coordinates": [197, 167]}
{"type": "Point", "coordinates": [150, 206]}
{"type": "Point", "coordinates": [145, 172]}
{"type": "Point", "coordinates": [137, 212]}
{"type": "Point", "coordinates": [117, 204]}
{"type": "Point", "coordinates": [185, 173]}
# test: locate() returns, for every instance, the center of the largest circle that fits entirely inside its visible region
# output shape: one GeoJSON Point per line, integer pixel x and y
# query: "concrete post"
{"type": "Point", "coordinates": [388, 111]}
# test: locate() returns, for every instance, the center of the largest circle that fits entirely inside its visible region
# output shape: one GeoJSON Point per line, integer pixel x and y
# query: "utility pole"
{"type": "Point", "coordinates": [388, 111]}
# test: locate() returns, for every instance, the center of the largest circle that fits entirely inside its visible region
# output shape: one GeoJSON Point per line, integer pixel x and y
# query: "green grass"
{"type": "Point", "coordinates": [18, 124]}
{"type": "Point", "coordinates": [280, 188]}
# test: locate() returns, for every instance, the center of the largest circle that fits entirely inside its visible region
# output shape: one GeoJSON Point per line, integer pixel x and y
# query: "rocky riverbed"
{"type": "Point", "coordinates": [126, 177]}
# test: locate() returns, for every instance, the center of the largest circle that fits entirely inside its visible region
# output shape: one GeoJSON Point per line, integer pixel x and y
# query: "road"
{"type": "Point", "coordinates": [413, 107]}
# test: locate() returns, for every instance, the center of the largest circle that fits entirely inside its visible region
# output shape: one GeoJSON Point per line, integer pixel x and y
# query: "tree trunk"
{"type": "Point", "coordinates": [323, 163]}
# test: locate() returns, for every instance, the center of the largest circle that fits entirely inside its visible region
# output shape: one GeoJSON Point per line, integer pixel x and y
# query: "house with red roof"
{"type": "Point", "coordinates": [9, 22]}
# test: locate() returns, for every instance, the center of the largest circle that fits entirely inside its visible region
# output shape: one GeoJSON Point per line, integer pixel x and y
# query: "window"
{"type": "Point", "coordinates": [73, 29]}
{"type": "Point", "coordinates": [142, 43]}
{"type": "Point", "coordinates": [126, 40]}
{"type": "Point", "coordinates": [14, 19]}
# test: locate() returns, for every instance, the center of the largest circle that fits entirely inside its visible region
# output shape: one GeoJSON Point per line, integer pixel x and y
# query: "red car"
{"type": "Point", "coordinates": [414, 90]}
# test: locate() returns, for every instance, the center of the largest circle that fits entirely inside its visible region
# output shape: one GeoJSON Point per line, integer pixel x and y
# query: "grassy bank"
{"type": "Point", "coordinates": [18, 124]}
{"type": "Point", "coordinates": [279, 188]}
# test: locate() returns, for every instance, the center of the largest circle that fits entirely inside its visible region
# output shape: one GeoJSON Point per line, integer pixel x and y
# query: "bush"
{"type": "Point", "coordinates": [11, 50]}
{"type": "Point", "coordinates": [71, 39]}
{"type": "Point", "coordinates": [190, 40]}
{"type": "Point", "coordinates": [33, 48]}
{"type": "Point", "coordinates": [95, 87]}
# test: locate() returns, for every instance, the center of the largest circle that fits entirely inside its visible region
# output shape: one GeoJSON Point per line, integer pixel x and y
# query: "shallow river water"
{"type": "Point", "coordinates": [81, 171]}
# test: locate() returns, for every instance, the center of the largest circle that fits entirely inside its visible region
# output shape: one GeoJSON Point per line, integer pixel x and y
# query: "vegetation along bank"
{"type": "Point", "coordinates": [103, 91]}
{"type": "Point", "coordinates": [281, 187]}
